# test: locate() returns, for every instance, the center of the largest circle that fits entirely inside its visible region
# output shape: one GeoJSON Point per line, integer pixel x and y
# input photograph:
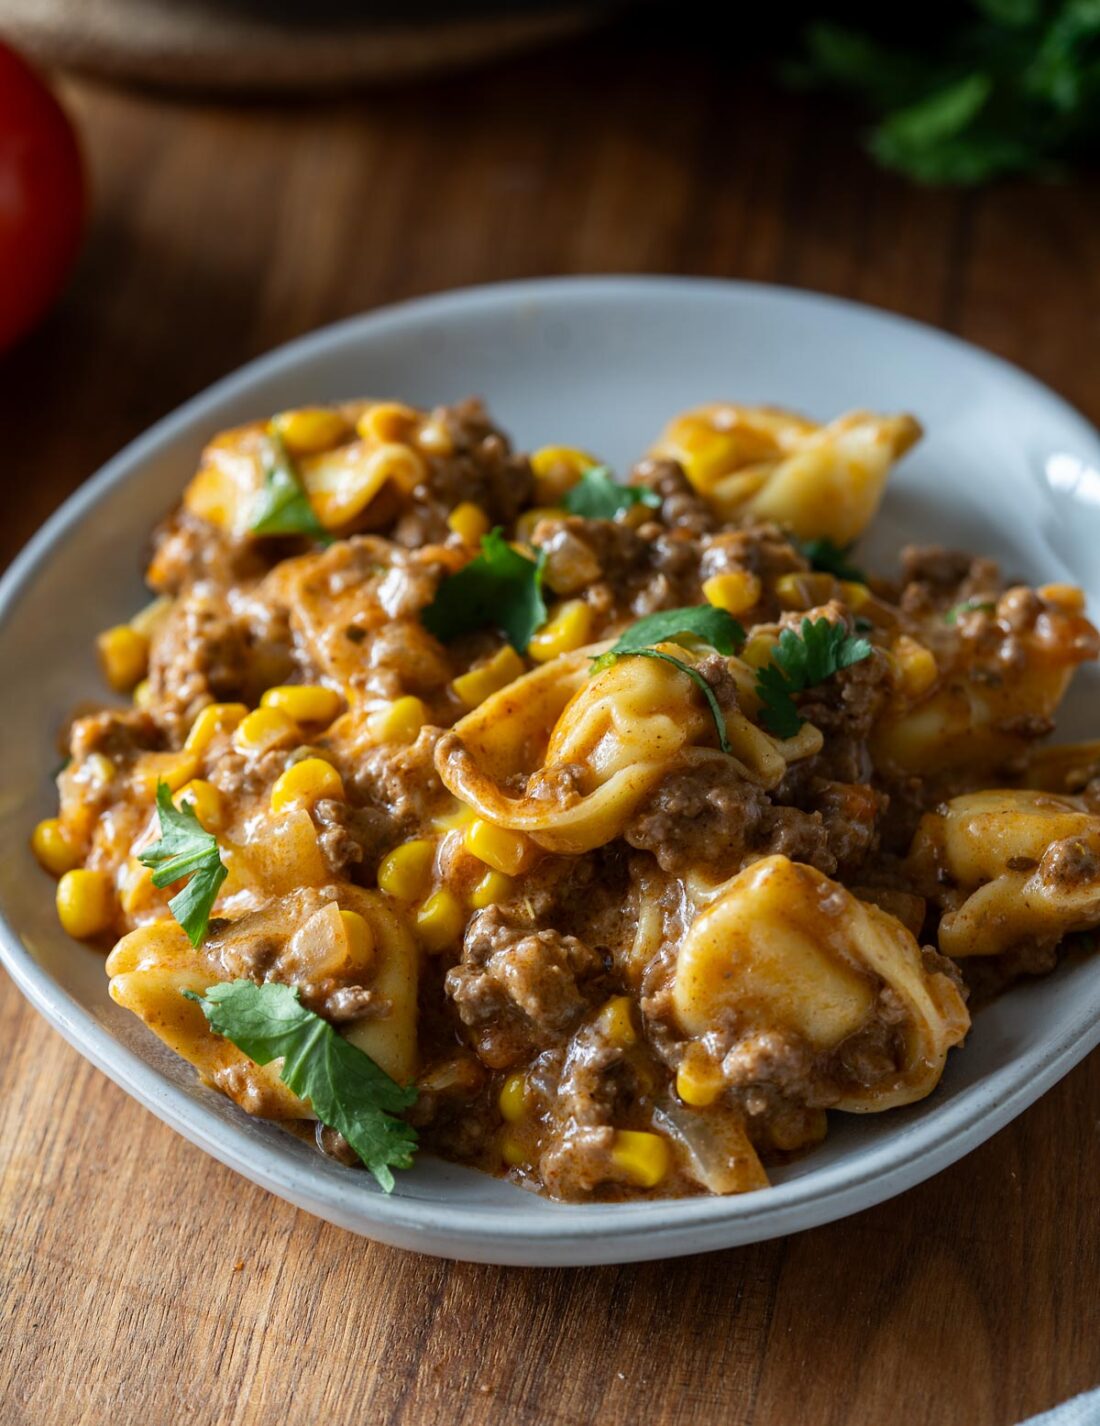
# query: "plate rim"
{"type": "Point", "coordinates": [627, 1232]}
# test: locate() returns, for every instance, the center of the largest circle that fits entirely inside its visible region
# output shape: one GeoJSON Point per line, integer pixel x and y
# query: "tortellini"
{"type": "Point", "coordinates": [987, 703]}
{"type": "Point", "coordinates": [346, 460]}
{"type": "Point", "coordinates": [817, 481]}
{"type": "Point", "coordinates": [583, 749]}
{"type": "Point", "coordinates": [783, 949]}
{"type": "Point", "coordinates": [150, 969]}
{"type": "Point", "coordinates": [304, 940]}
{"type": "Point", "coordinates": [1009, 867]}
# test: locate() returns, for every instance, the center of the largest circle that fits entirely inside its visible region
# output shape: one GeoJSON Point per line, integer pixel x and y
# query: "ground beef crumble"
{"type": "Point", "coordinates": [518, 989]}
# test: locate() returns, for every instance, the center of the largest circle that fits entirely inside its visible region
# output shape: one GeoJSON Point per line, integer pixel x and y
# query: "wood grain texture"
{"type": "Point", "coordinates": [141, 1281]}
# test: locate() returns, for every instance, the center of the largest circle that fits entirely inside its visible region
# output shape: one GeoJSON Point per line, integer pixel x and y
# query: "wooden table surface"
{"type": "Point", "coordinates": [140, 1280]}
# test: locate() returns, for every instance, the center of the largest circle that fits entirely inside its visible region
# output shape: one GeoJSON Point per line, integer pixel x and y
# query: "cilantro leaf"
{"type": "Point", "coordinates": [598, 496]}
{"type": "Point", "coordinates": [828, 558]}
{"type": "Point", "coordinates": [282, 506]}
{"type": "Point", "coordinates": [700, 683]}
{"type": "Point", "coordinates": [969, 606]}
{"type": "Point", "coordinates": [185, 849]}
{"type": "Point", "coordinates": [803, 660]}
{"type": "Point", "coordinates": [702, 621]}
{"type": "Point", "coordinates": [348, 1091]}
{"type": "Point", "coordinates": [500, 588]}
{"type": "Point", "coordinates": [778, 712]}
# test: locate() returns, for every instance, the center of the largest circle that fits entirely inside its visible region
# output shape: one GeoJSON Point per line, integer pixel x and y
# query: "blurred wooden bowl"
{"type": "Point", "coordinates": [257, 46]}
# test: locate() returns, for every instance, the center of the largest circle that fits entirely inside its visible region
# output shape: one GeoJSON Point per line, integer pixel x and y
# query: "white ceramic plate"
{"type": "Point", "coordinates": [1006, 468]}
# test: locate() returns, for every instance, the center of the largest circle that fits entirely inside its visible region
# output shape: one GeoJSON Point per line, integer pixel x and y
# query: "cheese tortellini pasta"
{"type": "Point", "coordinates": [1010, 867]}
{"type": "Point", "coordinates": [785, 964]}
{"type": "Point", "coordinates": [352, 463]}
{"type": "Point", "coordinates": [988, 696]}
{"type": "Point", "coordinates": [310, 938]}
{"type": "Point", "coordinates": [759, 461]}
{"type": "Point", "coordinates": [588, 746]}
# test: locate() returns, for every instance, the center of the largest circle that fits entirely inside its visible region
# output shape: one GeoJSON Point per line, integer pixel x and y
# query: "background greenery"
{"type": "Point", "coordinates": [966, 91]}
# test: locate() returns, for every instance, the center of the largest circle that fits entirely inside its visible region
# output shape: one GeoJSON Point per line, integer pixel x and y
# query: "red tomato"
{"type": "Point", "coordinates": [41, 197]}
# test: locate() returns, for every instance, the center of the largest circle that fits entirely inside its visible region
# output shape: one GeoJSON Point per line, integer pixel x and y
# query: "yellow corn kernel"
{"type": "Point", "coordinates": [916, 666]}
{"type": "Point", "coordinates": [513, 1098]}
{"type": "Point", "coordinates": [525, 523]}
{"type": "Point", "coordinates": [734, 592]}
{"type": "Point", "coordinates": [549, 458]}
{"type": "Point", "coordinates": [758, 650]}
{"type": "Point", "coordinates": [206, 800]}
{"type": "Point", "coordinates": [616, 1022]}
{"type": "Point", "coordinates": [857, 596]}
{"type": "Point", "coordinates": [456, 820]}
{"type": "Point", "coordinates": [469, 522]}
{"type": "Point", "coordinates": [173, 769]}
{"type": "Point", "coordinates": [360, 940]}
{"type": "Point", "coordinates": [399, 721]}
{"type": "Point", "coordinates": [557, 469]}
{"type": "Point", "coordinates": [569, 628]}
{"type": "Point", "coordinates": [51, 845]}
{"type": "Point", "coordinates": [434, 439]}
{"type": "Point", "coordinates": [440, 920]}
{"type": "Point", "coordinates": [804, 591]}
{"type": "Point", "coordinates": [262, 729]}
{"type": "Point", "coordinates": [135, 886]}
{"type": "Point", "coordinates": [512, 1151]}
{"type": "Point", "coordinates": [85, 902]}
{"type": "Point", "coordinates": [509, 852]}
{"type": "Point", "coordinates": [388, 421]}
{"type": "Point", "coordinates": [310, 429]}
{"type": "Point", "coordinates": [143, 694]}
{"type": "Point", "coordinates": [406, 872]}
{"type": "Point", "coordinates": [311, 780]}
{"type": "Point", "coordinates": [124, 656]}
{"type": "Point", "coordinates": [97, 770]}
{"type": "Point", "coordinates": [150, 619]}
{"type": "Point", "coordinates": [707, 454]}
{"type": "Point", "coordinates": [788, 590]}
{"type": "Point", "coordinates": [1066, 597]}
{"type": "Point", "coordinates": [494, 886]}
{"type": "Point", "coordinates": [697, 1084]}
{"type": "Point", "coordinates": [304, 702]}
{"type": "Point", "coordinates": [641, 1157]}
{"type": "Point", "coordinates": [215, 718]}
{"type": "Point", "coordinates": [503, 668]}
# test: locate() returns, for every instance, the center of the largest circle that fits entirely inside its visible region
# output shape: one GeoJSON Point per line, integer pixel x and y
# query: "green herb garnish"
{"type": "Point", "coordinates": [347, 1090]}
{"type": "Point", "coordinates": [598, 496]}
{"type": "Point", "coordinates": [185, 849]}
{"type": "Point", "coordinates": [969, 606]}
{"type": "Point", "coordinates": [828, 558]}
{"type": "Point", "coordinates": [282, 506]}
{"type": "Point", "coordinates": [500, 588]}
{"type": "Point", "coordinates": [670, 626]}
{"type": "Point", "coordinates": [803, 660]}
{"type": "Point", "coordinates": [970, 91]}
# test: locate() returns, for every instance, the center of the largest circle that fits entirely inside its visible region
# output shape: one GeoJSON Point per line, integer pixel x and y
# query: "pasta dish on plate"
{"type": "Point", "coordinates": [600, 830]}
